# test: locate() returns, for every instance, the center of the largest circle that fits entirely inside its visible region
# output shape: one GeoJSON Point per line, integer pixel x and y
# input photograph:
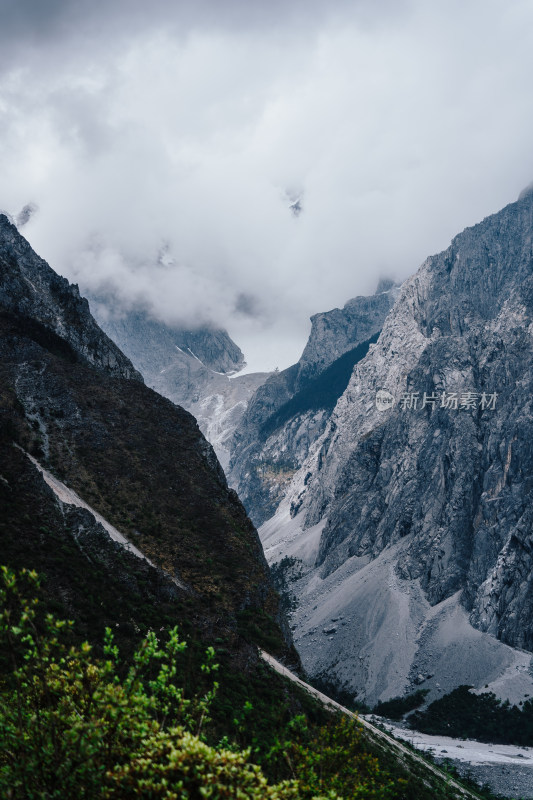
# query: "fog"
{"type": "Point", "coordinates": [165, 144]}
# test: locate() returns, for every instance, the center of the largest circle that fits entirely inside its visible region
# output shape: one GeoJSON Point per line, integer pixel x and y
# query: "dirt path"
{"type": "Point", "coordinates": [404, 753]}
{"type": "Point", "coordinates": [69, 497]}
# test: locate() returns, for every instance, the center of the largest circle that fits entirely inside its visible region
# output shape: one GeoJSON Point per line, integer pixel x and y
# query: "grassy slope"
{"type": "Point", "coordinates": [141, 462]}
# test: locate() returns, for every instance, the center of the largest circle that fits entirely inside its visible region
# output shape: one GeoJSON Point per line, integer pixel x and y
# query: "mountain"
{"type": "Point", "coordinates": [335, 332]}
{"type": "Point", "coordinates": [144, 335]}
{"type": "Point", "coordinates": [109, 490]}
{"type": "Point", "coordinates": [289, 412]}
{"type": "Point", "coordinates": [32, 291]}
{"type": "Point", "coordinates": [193, 368]}
{"type": "Point", "coordinates": [405, 536]}
{"type": "Point", "coordinates": [112, 494]}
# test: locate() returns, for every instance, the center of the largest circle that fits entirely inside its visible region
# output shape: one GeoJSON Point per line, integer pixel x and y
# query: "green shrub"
{"type": "Point", "coordinates": [73, 726]}
{"type": "Point", "coordinates": [397, 707]}
{"type": "Point", "coordinates": [484, 717]}
{"type": "Point", "coordinates": [332, 758]}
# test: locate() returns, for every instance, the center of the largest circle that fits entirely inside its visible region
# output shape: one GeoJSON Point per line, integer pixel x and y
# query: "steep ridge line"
{"type": "Point", "coordinates": [374, 732]}
{"type": "Point", "coordinates": [456, 480]}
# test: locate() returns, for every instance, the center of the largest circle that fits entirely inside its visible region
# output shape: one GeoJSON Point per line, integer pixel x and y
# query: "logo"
{"type": "Point", "coordinates": [384, 400]}
{"type": "Point", "coordinates": [451, 401]}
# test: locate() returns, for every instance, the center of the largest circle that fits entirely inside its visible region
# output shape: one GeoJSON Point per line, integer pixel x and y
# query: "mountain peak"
{"type": "Point", "coordinates": [526, 191]}
{"type": "Point", "coordinates": [384, 285]}
{"type": "Point", "coordinates": [30, 288]}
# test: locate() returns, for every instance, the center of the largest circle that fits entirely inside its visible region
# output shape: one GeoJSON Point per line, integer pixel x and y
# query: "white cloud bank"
{"type": "Point", "coordinates": [163, 149]}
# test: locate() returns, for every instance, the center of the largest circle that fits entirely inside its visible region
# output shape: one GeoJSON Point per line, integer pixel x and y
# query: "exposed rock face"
{"type": "Point", "coordinates": [335, 332]}
{"type": "Point", "coordinates": [447, 489]}
{"type": "Point", "coordinates": [192, 368]}
{"type": "Point", "coordinates": [290, 410]}
{"type": "Point", "coordinates": [146, 336]}
{"type": "Point", "coordinates": [70, 398]}
{"type": "Point", "coordinates": [29, 288]}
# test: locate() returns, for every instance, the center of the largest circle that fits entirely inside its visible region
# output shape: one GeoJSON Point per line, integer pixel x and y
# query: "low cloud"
{"type": "Point", "coordinates": [164, 150]}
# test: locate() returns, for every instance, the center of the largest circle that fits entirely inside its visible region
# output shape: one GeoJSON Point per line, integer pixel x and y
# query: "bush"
{"type": "Point", "coordinates": [332, 758]}
{"type": "Point", "coordinates": [397, 707]}
{"type": "Point", "coordinates": [73, 726]}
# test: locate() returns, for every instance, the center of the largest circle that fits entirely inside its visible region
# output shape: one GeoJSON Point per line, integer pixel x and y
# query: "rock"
{"type": "Point", "coordinates": [290, 411]}
{"type": "Point", "coordinates": [30, 289]}
{"type": "Point", "coordinates": [442, 519]}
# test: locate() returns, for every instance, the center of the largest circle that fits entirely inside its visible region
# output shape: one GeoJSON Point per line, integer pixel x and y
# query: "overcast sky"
{"type": "Point", "coordinates": [164, 142]}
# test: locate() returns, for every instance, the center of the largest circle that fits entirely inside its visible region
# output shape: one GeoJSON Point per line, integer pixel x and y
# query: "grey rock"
{"type": "Point", "coordinates": [339, 330]}
{"type": "Point", "coordinates": [289, 412]}
{"type": "Point", "coordinates": [449, 488]}
{"type": "Point", "coordinates": [30, 288]}
{"type": "Point", "coordinates": [465, 495]}
{"type": "Point", "coordinates": [156, 345]}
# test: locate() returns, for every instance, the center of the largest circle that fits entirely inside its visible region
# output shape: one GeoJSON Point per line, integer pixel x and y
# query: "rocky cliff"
{"type": "Point", "coordinates": [289, 412]}
{"type": "Point", "coordinates": [183, 550]}
{"type": "Point", "coordinates": [411, 519]}
{"type": "Point", "coordinates": [335, 332]}
{"type": "Point", "coordinates": [157, 346]}
{"type": "Point", "coordinates": [30, 289]}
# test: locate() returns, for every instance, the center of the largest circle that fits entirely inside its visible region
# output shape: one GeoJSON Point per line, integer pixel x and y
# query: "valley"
{"type": "Point", "coordinates": [397, 536]}
{"type": "Point", "coordinates": [400, 538]}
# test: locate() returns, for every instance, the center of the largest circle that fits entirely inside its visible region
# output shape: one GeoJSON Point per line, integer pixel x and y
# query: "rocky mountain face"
{"type": "Point", "coordinates": [132, 523]}
{"type": "Point", "coordinates": [139, 332]}
{"type": "Point", "coordinates": [31, 290]}
{"type": "Point", "coordinates": [335, 332]}
{"type": "Point", "coordinates": [407, 532]}
{"type": "Point", "coordinates": [111, 493]}
{"type": "Point", "coordinates": [195, 369]}
{"type": "Point", "coordinates": [289, 412]}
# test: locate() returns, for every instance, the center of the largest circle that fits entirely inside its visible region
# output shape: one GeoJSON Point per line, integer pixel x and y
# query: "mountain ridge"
{"type": "Point", "coordinates": [290, 410]}
{"type": "Point", "coordinates": [454, 483]}
{"type": "Point", "coordinates": [33, 290]}
{"type": "Point", "coordinates": [75, 403]}
{"type": "Point", "coordinates": [193, 368]}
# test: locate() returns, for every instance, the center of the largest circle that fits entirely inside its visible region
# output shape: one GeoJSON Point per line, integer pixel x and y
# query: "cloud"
{"type": "Point", "coordinates": [165, 143]}
{"type": "Point", "coordinates": [61, 21]}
